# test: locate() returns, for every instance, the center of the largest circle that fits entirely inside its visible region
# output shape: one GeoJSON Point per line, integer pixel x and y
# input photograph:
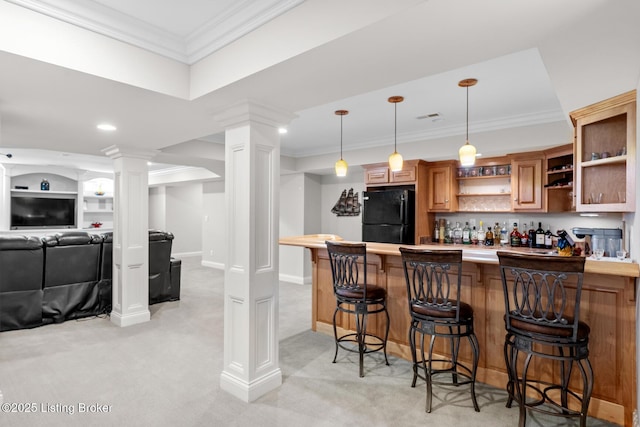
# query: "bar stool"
{"type": "Point", "coordinates": [436, 310]}
{"type": "Point", "coordinates": [354, 295]}
{"type": "Point", "coordinates": [542, 319]}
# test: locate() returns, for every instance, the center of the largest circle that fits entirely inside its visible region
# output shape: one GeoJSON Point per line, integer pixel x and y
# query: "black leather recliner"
{"type": "Point", "coordinates": [164, 271]}
{"type": "Point", "coordinates": [106, 274]}
{"type": "Point", "coordinates": [21, 269]}
{"type": "Point", "coordinates": [71, 272]}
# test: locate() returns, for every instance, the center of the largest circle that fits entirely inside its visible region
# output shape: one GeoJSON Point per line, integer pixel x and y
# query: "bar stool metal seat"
{"type": "Point", "coordinates": [433, 290]}
{"type": "Point", "coordinates": [542, 319]}
{"type": "Point", "coordinates": [354, 295]}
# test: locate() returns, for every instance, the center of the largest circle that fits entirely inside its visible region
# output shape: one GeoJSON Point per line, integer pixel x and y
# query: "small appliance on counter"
{"type": "Point", "coordinates": [607, 239]}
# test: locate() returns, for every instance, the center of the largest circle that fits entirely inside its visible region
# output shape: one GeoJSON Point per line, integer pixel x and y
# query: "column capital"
{"type": "Point", "coordinates": [247, 110]}
{"type": "Point", "coordinates": [118, 151]}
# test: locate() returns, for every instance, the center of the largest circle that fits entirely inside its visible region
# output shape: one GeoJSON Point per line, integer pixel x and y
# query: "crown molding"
{"type": "Point", "coordinates": [239, 19]}
{"type": "Point", "coordinates": [443, 132]}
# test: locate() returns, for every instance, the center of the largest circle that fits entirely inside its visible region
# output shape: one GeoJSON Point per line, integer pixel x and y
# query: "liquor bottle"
{"type": "Point", "coordinates": [488, 240]}
{"type": "Point", "coordinates": [496, 234]}
{"type": "Point", "coordinates": [548, 238]}
{"type": "Point", "coordinates": [540, 236]}
{"type": "Point", "coordinates": [524, 236]}
{"type": "Point", "coordinates": [504, 235]}
{"type": "Point", "coordinates": [448, 233]}
{"type": "Point", "coordinates": [457, 233]}
{"type": "Point", "coordinates": [442, 230]}
{"type": "Point", "coordinates": [481, 235]}
{"type": "Point", "coordinates": [532, 236]}
{"type": "Point", "coordinates": [515, 237]}
{"type": "Point", "coordinates": [436, 233]}
{"type": "Point", "coordinates": [466, 234]}
{"type": "Point", "coordinates": [474, 236]}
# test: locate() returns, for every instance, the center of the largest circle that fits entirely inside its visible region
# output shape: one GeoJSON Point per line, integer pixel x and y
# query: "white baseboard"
{"type": "Point", "coordinates": [212, 264]}
{"type": "Point", "coordinates": [300, 280]}
{"type": "Point", "coordinates": [186, 254]}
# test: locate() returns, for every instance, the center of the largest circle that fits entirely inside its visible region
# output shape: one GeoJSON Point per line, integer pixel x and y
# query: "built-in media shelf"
{"type": "Point", "coordinates": [55, 193]}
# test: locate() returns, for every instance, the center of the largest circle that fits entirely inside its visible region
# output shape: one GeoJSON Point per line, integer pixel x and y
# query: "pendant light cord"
{"type": "Point", "coordinates": [395, 127]}
{"type": "Point", "coordinates": [467, 114]}
{"type": "Point", "coordinates": [341, 136]}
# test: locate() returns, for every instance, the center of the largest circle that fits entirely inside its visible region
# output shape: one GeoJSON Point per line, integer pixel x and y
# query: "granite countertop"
{"type": "Point", "coordinates": [471, 253]}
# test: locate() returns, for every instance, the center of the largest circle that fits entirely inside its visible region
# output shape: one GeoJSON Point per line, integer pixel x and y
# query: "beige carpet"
{"type": "Point", "coordinates": [166, 372]}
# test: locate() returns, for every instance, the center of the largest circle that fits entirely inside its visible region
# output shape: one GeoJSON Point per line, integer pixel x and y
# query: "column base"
{"type": "Point", "coordinates": [130, 319]}
{"type": "Point", "coordinates": [248, 392]}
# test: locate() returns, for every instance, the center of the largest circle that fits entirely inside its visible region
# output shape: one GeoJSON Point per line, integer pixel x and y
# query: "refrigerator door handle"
{"type": "Point", "coordinates": [402, 209]}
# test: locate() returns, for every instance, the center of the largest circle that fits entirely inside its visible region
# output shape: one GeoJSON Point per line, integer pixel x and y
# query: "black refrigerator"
{"type": "Point", "coordinates": [388, 216]}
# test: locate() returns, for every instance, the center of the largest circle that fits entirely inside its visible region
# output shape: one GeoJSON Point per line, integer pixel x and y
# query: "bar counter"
{"type": "Point", "coordinates": [607, 306]}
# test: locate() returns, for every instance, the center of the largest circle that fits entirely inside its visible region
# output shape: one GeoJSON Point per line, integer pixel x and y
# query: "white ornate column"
{"type": "Point", "coordinates": [130, 235]}
{"type": "Point", "coordinates": [252, 176]}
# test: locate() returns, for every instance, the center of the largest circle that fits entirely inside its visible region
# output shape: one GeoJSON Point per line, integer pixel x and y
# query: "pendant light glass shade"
{"type": "Point", "coordinates": [395, 159]}
{"type": "Point", "coordinates": [341, 168]}
{"type": "Point", "coordinates": [467, 153]}
{"type": "Point", "coordinates": [341, 165]}
{"type": "Point", "coordinates": [395, 162]}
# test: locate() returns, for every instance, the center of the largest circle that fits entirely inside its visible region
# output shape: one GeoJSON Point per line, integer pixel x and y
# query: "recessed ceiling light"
{"type": "Point", "coordinates": [106, 127]}
{"type": "Point", "coordinates": [282, 130]}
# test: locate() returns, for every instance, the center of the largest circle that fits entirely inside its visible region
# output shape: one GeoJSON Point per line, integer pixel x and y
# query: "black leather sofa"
{"type": "Point", "coordinates": [21, 270]}
{"type": "Point", "coordinates": [69, 276]}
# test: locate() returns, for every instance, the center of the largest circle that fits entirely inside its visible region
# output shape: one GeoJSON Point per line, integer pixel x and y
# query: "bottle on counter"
{"type": "Point", "coordinates": [436, 232]}
{"type": "Point", "coordinates": [457, 234]}
{"type": "Point", "coordinates": [488, 240]}
{"type": "Point", "coordinates": [448, 233]}
{"type": "Point", "coordinates": [515, 238]}
{"type": "Point", "coordinates": [496, 234]}
{"type": "Point", "coordinates": [524, 236]}
{"type": "Point", "coordinates": [548, 238]}
{"type": "Point", "coordinates": [504, 235]}
{"type": "Point", "coordinates": [540, 236]}
{"type": "Point", "coordinates": [442, 230]}
{"type": "Point", "coordinates": [474, 236]}
{"type": "Point", "coordinates": [466, 234]}
{"type": "Point", "coordinates": [532, 236]}
{"type": "Point", "coordinates": [481, 235]}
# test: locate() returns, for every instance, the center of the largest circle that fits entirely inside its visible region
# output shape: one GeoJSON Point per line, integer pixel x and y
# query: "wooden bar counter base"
{"type": "Point", "coordinates": [607, 306]}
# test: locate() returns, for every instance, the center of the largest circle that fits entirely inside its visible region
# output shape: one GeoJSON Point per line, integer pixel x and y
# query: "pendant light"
{"type": "Point", "coordinates": [341, 165]}
{"type": "Point", "coordinates": [467, 152]}
{"type": "Point", "coordinates": [395, 159]}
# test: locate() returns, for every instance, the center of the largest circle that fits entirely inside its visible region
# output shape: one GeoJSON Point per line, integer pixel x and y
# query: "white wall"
{"type": "Point", "coordinates": [184, 211]}
{"type": "Point", "coordinates": [157, 205]}
{"type": "Point", "coordinates": [214, 242]}
{"type": "Point", "coordinates": [347, 227]}
{"type": "Point", "coordinates": [292, 219]}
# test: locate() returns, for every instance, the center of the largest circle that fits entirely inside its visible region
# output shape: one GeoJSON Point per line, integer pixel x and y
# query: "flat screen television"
{"type": "Point", "coordinates": [43, 212]}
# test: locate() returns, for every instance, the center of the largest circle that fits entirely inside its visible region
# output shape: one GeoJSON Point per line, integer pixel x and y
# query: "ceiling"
{"type": "Point", "coordinates": [534, 63]}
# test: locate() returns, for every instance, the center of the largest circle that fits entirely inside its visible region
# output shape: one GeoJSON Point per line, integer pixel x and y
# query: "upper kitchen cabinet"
{"type": "Point", "coordinates": [605, 138]}
{"type": "Point", "coordinates": [558, 187]}
{"type": "Point", "coordinates": [486, 186]}
{"type": "Point", "coordinates": [379, 173]}
{"type": "Point", "coordinates": [441, 194]}
{"type": "Point", "coordinates": [526, 182]}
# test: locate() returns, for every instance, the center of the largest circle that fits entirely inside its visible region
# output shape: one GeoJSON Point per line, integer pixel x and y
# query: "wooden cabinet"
{"type": "Point", "coordinates": [486, 186]}
{"type": "Point", "coordinates": [605, 140]}
{"type": "Point", "coordinates": [558, 182]}
{"type": "Point", "coordinates": [441, 193]}
{"type": "Point", "coordinates": [526, 182]}
{"type": "Point", "coordinates": [379, 173]}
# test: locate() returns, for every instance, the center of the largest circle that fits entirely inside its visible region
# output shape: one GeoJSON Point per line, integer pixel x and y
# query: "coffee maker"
{"type": "Point", "coordinates": [607, 239]}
